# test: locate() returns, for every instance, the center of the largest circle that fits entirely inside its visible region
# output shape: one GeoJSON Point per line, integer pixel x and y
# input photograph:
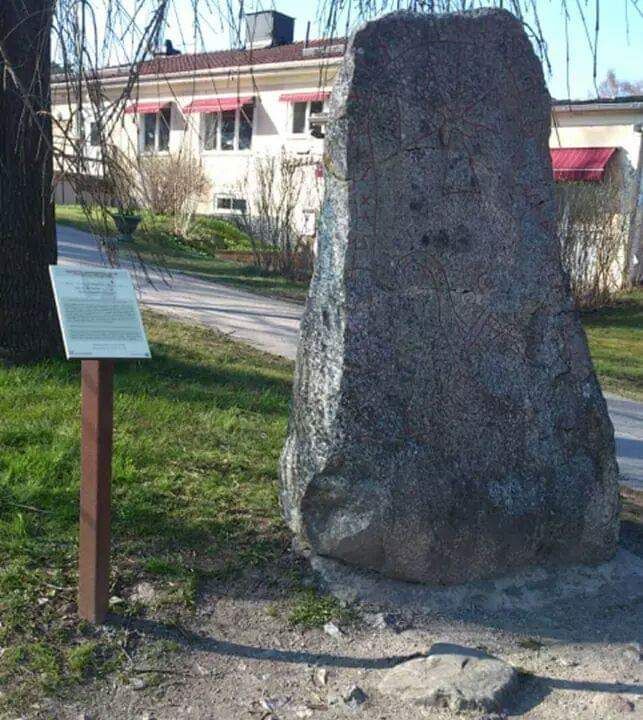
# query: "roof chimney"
{"type": "Point", "coordinates": [168, 50]}
{"type": "Point", "coordinates": [268, 28]}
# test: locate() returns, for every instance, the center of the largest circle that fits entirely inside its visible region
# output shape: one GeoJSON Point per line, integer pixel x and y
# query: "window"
{"type": "Point", "coordinates": [94, 134]}
{"type": "Point", "coordinates": [156, 131]}
{"type": "Point", "coordinates": [309, 222]}
{"type": "Point", "coordinates": [228, 124]}
{"type": "Point", "coordinates": [246, 114]}
{"type": "Point", "coordinates": [299, 111]}
{"type": "Point", "coordinates": [164, 118]}
{"type": "Point", "coordinates": [227, 130]}
{"type": "Point", "coordinates": [80, 125]}
{"type": "Point", "coordinates": [210, 125]}
{"type": "Point", "coordinates": [149, 132]}
{"type": "Point", "coordinates": [316, 129]}
{"type": "Point", "coordinates": [227, 203]}
{"type": "Point", "coordinates": [301, 118]}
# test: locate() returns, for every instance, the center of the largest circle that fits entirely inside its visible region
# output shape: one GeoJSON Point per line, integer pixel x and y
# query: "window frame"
{"type": "Point", "coordinates": [237, 134]}
{"type": "Point", "coordinates": [307, 130]}
{"type": "Point", "coordinates": [232, 200]}
{"type": "Point", "coordinates": [157, 133]}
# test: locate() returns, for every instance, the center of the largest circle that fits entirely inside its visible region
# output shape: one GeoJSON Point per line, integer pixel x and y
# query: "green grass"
{"type": "Point", "coordinates": [615, 336]}
{"type": "Point", "coordinates": [74, 216]}
{"type": "Point", "coordinates": [198, 432]}
{"type": "Point", "coordinates": [312, 610]}
{"type": "Point", "coordinates": [205, 234]}
{"type": "Point", "coordinates": [154, 244]}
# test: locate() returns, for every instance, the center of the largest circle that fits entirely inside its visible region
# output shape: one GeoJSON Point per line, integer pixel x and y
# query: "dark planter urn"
{"type": "Point", "coordinates": [126, 225]}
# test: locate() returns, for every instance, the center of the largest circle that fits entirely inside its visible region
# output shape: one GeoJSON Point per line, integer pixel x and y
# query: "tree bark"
{"type": "Point", "coordinates": [28, 325]}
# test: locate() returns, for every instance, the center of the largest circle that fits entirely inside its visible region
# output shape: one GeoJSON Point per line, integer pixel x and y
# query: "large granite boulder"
{"type": "Point", "coordinates": [447, 424]}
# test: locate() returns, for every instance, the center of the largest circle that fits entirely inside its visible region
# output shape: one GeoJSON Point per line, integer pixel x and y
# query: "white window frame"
{"type": "Point", "coordinates": [231, 210]}
{"type": "Point", "coordinates": [291, 119]}
{"type": "Point", "coordinates": [80, 129]}
{"type": "Point", "coordinates": [237, 127]}
{"type": "Point", "coordinates": [141, 133]}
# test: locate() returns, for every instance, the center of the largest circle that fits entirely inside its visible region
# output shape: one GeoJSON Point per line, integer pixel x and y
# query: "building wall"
{"type": "Point", "coordinates": [231, 172]}
{"type": "Point", "coordinates": [604, 128]}
{"type": "Point", "coordinates": [584, 126]}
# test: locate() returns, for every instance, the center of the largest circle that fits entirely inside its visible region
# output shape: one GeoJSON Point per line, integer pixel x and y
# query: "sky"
{"type": "Point", "coordinates": [620, 46]}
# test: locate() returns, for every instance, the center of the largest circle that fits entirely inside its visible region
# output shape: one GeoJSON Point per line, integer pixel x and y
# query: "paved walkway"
{"type": "Point", "coordinates": [273, 326]}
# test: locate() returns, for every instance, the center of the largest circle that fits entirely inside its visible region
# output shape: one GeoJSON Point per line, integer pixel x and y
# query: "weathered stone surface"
{"type": "Point", "coordinates": [454, 677]}
{"type": "Point", "coordinates": [447, 424]}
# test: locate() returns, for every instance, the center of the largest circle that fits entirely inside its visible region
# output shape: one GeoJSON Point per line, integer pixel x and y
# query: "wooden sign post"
{"type": "Point", "coordinates": [100, 321]}
{"type": "Point", "coordinates": [97, 392]}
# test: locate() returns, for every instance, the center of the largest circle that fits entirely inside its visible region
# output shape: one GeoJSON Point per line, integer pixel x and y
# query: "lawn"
{"type": "Point", "coordinates": [198, 432]}
{"type": "Point", "coordinates": [615, 335]}
{"type": "Point", "coordinates": [154, 244]}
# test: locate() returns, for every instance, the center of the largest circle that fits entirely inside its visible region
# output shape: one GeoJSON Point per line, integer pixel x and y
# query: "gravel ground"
{"type": "Point", "coordinates": [239, 657]}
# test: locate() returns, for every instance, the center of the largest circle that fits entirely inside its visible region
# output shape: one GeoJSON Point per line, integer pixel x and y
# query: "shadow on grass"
{"type": "Point", "coordinates": [159, 510]}
{"type": "Point", "coordinates": [188, 380]}
{"type": "Point", "coordinates": [626, 313]}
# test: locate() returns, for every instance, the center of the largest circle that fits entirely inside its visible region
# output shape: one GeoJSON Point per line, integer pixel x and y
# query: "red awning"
{"type": "Point", "coordinates": [216, 104]}
{"type": "Point", "coordinates": [586, 163]}
{"type": "Point", "coordinates": [304, 97]}
{"type": "Point", "coordinates": [147, 107]}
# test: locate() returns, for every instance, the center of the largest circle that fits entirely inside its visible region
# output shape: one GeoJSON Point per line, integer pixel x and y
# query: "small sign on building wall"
{"type": "Point", "coordinates": [99, 313]}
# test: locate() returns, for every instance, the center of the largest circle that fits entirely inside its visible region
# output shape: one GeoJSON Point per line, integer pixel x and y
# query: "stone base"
{"type": "Point", "coordinates": [621, 578]}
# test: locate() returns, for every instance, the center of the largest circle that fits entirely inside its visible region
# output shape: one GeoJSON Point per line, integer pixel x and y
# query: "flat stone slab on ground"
{"type": "Point", "coordinates": [454, 677]}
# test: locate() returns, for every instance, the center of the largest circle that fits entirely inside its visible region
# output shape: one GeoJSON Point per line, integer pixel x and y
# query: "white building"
{"type": "Point", "coordinates": [592, 140]}
{"type": "Point", "coordinates": [231, 107]}
{"type": "Point", "coordinates": [228, 108]}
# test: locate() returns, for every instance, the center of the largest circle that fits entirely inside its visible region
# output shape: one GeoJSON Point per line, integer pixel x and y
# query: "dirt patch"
{"type": "Point", "coordinates": [240, 656]}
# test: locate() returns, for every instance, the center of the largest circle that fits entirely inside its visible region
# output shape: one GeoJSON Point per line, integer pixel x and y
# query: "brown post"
{"type": "Point", "coordinates": [97, 404]}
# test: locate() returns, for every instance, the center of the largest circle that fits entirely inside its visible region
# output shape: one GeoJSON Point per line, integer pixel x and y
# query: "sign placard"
{"type": "Point", "coordinates": [99, 314]}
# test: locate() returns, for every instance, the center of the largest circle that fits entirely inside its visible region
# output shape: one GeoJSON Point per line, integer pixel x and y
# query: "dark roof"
{"type": "Point", "coordinates": [602, 101]}
{"type": "Point", "coordinates": [294, 52]}
{"type": "Point", "coordinates": [170, 64]}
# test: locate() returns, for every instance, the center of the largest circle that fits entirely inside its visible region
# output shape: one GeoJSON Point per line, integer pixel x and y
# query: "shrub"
{"type": "Point", "coordinates": [173, 186]}
{"type": "Point", "coordinates": [279, 183]}
{"type": "Point", "coordinates": [121, 183]}
{"type": "Point", "coordinates": [209, 234]}
{"type": "Point", "coordinates": [593, 229]}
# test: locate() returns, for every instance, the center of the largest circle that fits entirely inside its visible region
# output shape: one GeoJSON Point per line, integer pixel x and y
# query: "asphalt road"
{"type": "Point", "coordinates": [273, 326]}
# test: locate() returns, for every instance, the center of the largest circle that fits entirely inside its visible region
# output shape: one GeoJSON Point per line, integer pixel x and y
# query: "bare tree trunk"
{"type": "Point", "coordinates": [28, 326]}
